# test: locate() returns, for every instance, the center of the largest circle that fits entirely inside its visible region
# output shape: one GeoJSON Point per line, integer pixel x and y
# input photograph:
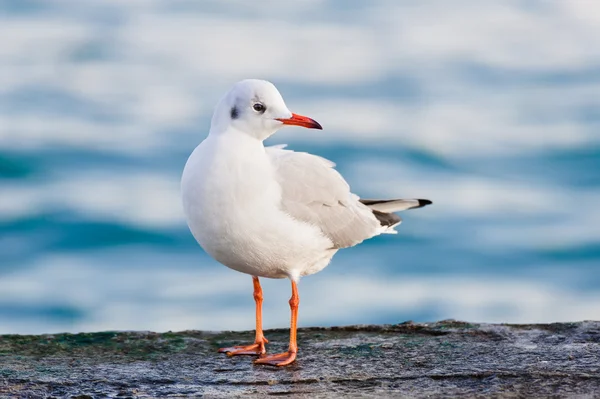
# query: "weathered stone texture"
{"type": "Point", "coordinates": [447, 358]}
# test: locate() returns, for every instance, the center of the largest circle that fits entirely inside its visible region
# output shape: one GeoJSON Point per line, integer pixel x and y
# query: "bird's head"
{"type": "Point", "coordinates": [255, 107]}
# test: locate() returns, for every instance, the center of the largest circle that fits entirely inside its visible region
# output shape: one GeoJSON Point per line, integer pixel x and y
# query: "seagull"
{"type": "Point", "coordinates": [271, 212]}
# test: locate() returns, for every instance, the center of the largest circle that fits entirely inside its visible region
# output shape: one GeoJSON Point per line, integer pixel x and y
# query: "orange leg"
{"type": "Point", "coordinates": [285, 358]}
{"type": "Point", "coordinates": [258, 347]}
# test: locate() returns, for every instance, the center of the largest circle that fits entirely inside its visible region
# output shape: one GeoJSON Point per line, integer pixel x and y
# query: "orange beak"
{"type": "Point", "coordinates": [299, 120]}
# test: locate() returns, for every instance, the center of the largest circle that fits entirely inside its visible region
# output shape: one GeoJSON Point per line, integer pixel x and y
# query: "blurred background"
{"type": "Point", "coordinates": [490, 109]}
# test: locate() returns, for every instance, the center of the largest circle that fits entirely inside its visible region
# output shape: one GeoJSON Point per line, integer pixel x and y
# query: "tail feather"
{"type": "Point", "coordinates": [387, 219]}
{"type": "Point", "coordinates": [384, 210]}
{"type": "Point", "coordinates": [394, 205]}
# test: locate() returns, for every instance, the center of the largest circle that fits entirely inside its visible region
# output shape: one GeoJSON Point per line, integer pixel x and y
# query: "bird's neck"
{"type": "Point", "coordinates": [233, 128]}
{"type": "Point", "coordinates": [237, 141]}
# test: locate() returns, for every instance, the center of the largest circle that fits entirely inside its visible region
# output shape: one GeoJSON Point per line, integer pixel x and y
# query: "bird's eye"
{"type": "Point", "coordinates": [258, 107]}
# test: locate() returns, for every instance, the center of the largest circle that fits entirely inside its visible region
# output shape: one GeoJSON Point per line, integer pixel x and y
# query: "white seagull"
{"type": "Point", "coordinates": [271, 212]}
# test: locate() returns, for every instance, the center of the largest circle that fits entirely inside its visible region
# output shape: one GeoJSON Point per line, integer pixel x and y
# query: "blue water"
{"type": "Point", "coordinates": [491, 111]}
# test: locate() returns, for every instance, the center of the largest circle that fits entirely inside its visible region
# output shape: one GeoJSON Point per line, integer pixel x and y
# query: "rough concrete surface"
{"type": "Point", "coordinates": [447, 358]}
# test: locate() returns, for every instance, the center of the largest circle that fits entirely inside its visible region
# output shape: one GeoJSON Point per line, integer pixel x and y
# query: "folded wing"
{"type": "Point", "coordinates": [314, 192]}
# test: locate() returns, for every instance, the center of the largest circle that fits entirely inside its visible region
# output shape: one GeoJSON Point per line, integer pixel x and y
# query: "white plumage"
{"type": "Point", "coordinates": [272, 212]}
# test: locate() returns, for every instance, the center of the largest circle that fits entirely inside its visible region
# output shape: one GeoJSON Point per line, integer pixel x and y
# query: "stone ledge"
{"type": "Point", "coordinates": [446, 358]}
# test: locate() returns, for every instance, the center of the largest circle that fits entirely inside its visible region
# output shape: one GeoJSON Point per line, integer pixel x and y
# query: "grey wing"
{"type": "Point", "coordinates": [314, 192]}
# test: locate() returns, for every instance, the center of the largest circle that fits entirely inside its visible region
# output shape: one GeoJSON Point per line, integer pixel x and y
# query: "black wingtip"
{"type": "Point", "coordinates": [424, 202]}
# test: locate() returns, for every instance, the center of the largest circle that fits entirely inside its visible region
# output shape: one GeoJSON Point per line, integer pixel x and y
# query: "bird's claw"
{"type": "Point", "coordinates": [255, 349]}
{"type": "Point", "coordinates": [279, 359]}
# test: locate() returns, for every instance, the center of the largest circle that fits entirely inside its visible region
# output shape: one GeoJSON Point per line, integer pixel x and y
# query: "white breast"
{"type": "Point", "coordinates": [232, 203]}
